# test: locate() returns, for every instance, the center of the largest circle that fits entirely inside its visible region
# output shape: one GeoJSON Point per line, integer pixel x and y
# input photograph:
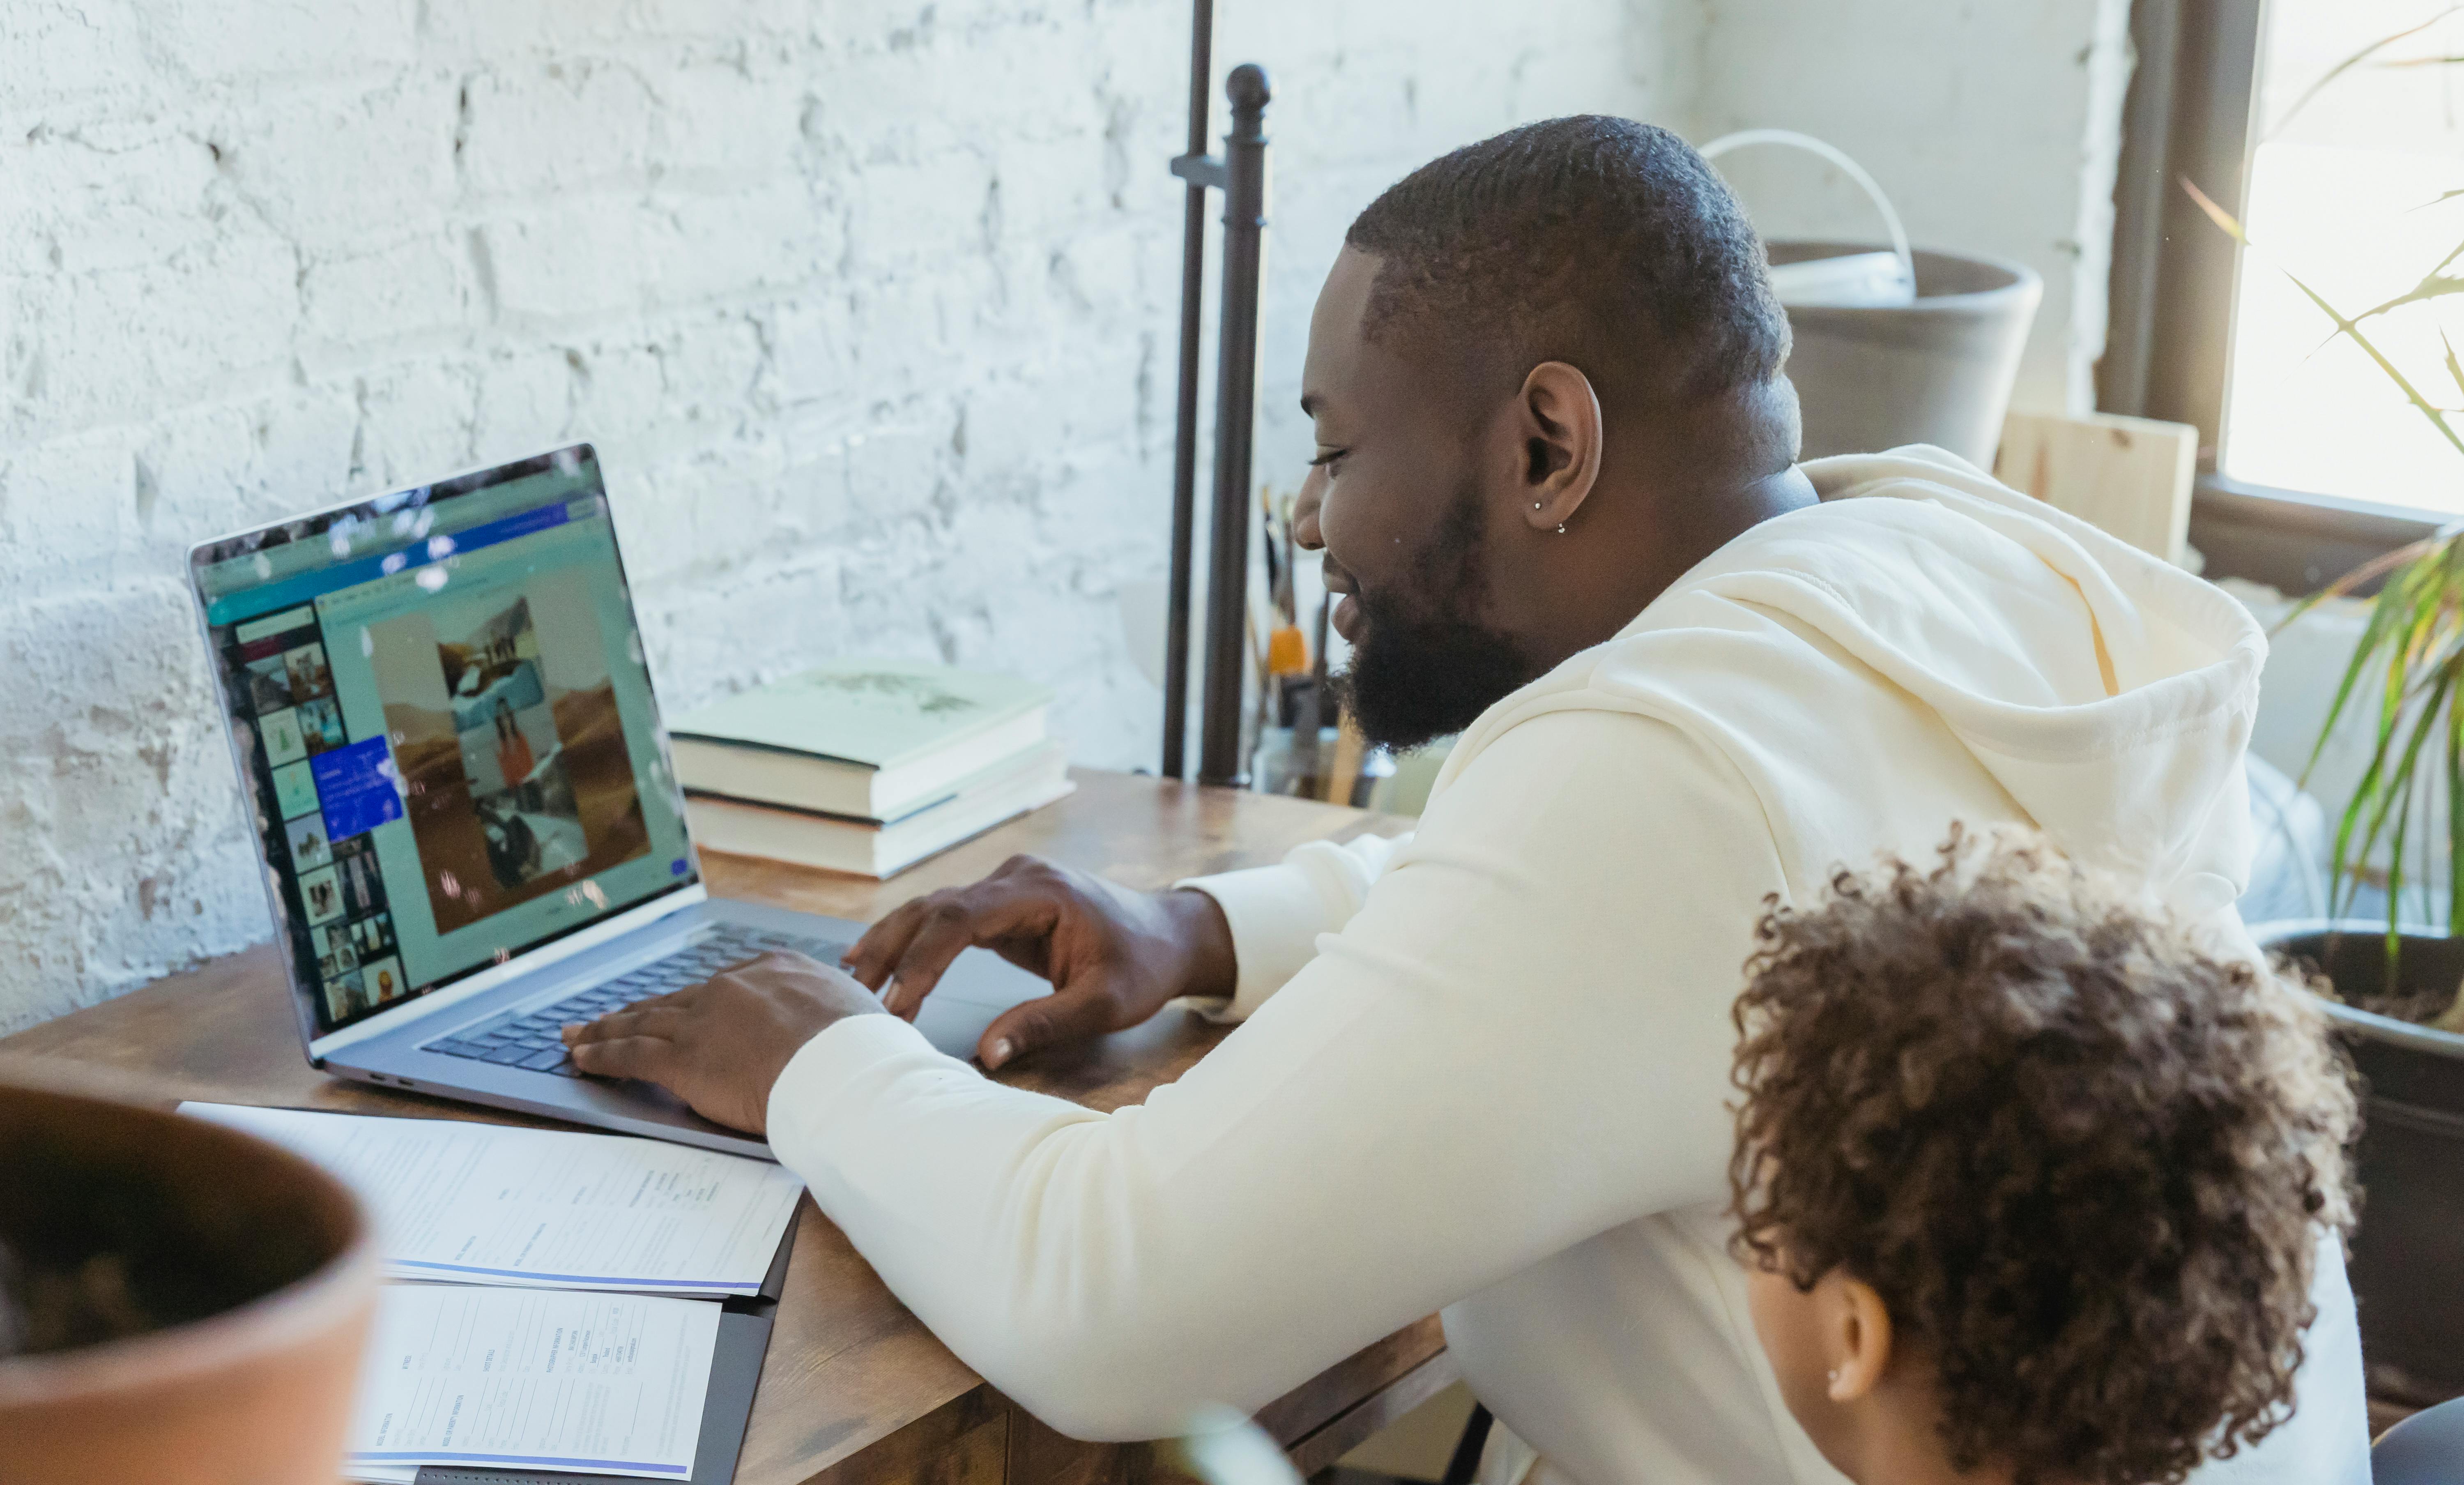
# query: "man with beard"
{"type": "Point", "coordinates": [1484, 1067]}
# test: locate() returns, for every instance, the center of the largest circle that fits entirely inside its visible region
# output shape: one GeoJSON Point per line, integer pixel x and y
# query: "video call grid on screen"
{"type": "Point", "coordinates": [448, 728]}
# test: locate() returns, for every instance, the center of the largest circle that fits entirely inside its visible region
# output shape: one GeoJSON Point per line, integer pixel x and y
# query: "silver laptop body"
{"type": "Point", "coordinates": [460, 791]}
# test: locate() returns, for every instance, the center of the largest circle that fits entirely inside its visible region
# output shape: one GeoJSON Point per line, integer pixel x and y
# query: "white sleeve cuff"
{"type": "Point", "coordinates": [1276, 913]}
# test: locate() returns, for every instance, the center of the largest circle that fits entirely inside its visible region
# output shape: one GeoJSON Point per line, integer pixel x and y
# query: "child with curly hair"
{"type": "Point", "coordinates": [2030, 1185]}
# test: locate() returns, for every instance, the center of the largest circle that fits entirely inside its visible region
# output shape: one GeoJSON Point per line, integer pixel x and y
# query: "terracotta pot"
{"type": "Point", "coordinates": [263, 1268]}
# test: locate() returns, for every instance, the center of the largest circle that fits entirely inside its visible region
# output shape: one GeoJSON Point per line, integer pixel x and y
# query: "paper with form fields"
{"type": "Point", "coordinates": [488, 1203]}
{"type": "Point", "coordinates": [534, 1379]}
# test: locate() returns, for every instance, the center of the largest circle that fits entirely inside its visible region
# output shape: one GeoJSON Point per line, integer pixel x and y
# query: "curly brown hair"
{"type": "Point", "coordinates": [2085, 1164]}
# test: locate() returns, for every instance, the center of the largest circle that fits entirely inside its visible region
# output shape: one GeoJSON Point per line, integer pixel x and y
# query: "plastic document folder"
{"type": "Point", "coordinates": [567, 1307]}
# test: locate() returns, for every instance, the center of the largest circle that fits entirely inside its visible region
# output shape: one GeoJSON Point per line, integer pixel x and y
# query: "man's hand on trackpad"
{"type": "Point", "coordinates": [721, 1045]}
{"type": "Point", "coordinates": [1113, 955]}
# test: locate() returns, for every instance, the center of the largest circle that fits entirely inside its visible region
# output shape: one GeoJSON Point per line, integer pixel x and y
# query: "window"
{"type": "Point", "coordinates": [2335, 130]}
{"type": "Point", "coordinates": [2356, 182]}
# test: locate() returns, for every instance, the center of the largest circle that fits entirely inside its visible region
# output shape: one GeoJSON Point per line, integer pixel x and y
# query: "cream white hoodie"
{"type": "Point", "coordinates": [1484, 1067]}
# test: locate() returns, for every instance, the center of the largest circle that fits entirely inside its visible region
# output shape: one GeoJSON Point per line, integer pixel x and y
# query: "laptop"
{"type": "Point", "coordinates": [462, 799]}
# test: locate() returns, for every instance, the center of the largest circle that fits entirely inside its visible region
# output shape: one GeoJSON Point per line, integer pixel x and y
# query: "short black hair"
{"type": "Point", "coordinates": [1601, 242]}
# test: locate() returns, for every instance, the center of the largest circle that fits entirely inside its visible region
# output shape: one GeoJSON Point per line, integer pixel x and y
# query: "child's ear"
{"type": "Point", "coordinates": [1855, 1336]}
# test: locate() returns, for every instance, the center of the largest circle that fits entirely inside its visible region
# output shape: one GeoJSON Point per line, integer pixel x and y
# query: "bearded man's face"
{"type": "Point", "coordinates": [1423, 664]}
{"type": "Point", "coordinates": [1396, 496]}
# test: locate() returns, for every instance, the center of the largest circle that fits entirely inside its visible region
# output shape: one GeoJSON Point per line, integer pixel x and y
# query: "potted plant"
{"type": "Point", "coordinates": [2398, 986]}
{"type": "Point", "coordinates": [178, 1300]}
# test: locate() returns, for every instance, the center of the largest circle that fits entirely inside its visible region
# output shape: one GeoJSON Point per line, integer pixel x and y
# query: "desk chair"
{"type": "Point", "coordinates": [2425, 1448]}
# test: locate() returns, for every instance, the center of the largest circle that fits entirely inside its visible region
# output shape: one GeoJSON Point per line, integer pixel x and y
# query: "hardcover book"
{"type": "Point", "coordinates": [871, 848]}
{"type": "Point", "coordinates": [875, 740]}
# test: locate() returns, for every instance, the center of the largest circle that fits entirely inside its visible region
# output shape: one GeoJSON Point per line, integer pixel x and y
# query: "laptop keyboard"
{"type": "Point", "coordinates": [529, 1039]}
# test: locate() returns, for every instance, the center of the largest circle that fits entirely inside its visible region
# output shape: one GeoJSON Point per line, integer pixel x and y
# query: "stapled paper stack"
{"type": "Point", "coordinates": [545, 1329]}
{"type": "Point", "coordinates": [531, 1379]}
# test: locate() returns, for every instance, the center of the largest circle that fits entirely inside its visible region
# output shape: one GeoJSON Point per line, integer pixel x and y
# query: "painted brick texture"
{"type": "Point", "coordinates": [868, 306]}
{"type": "Point", "coordinates": [1994, 127]}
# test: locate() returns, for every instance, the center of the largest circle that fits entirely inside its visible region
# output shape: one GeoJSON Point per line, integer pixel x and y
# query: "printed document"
{"type": "Point", "coordinates": [533, 1379]}
{"type": "Point", "coordinates": [487, 1204]}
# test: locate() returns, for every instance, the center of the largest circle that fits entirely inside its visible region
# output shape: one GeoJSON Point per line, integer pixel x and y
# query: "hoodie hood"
{"type": "Point", "coordinates": [1927, 645]}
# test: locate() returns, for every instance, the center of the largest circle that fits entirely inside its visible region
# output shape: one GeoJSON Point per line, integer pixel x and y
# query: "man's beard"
{"type": "Point", "coordinates": [1421, 671]}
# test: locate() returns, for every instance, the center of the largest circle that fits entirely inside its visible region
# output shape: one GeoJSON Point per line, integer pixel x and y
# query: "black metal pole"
{"type": "Point", "coordinates": [1236, 399]}
{"type": "Point", "coordinates": [1184, 448]}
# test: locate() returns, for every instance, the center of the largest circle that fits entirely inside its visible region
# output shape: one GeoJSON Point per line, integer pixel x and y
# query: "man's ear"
{"type": "Point", "coordinates": [1855, 1329]}
{"type": "Point", "coordinates": [1559, 431]}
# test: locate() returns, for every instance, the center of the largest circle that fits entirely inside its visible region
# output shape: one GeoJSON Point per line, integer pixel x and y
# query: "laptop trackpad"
{"type": "Point", "coordinates": [978, 987]}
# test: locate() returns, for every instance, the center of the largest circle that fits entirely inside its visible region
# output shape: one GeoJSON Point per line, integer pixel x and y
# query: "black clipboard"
{"type": "Point", "coordinates": [735, 1371]}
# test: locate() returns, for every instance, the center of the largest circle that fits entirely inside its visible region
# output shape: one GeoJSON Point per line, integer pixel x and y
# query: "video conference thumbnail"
{"type": "Point", "coordinates": [506, 730]}
{"type": "Point", "coordinates": [341, 904]}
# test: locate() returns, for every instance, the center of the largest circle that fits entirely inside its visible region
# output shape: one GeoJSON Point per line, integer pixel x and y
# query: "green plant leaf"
{"type": "Point", "coordinates": [2454, 367]}
{"type": "Point", "coordinates": [2367, 794]}
{"type": "Point", "coordinates": [2454, 817]}
{"type": "Point", "coordinates": [2355, 60]}
{"type": "Point", "coordinates": [2226, 220]}
{"type": "Point", "coordinates": [2409, 566]}
{"type": "Point", "coordinates": [2403, 621]}
{"type": "Point", "coordinates": [2395, 797]}
{"type": "Point", "coordinates": [2373, 634]}
{"type": "Point", "coordinates": [2390, 792]}
{"type": "Point", "coordinates": [2436, 286]}
{"type": "Point", "coordinates": [2360, 576]}
{"type": "Point", "coordinates": [2436, 276]}
{"type": "Point", "coordinates": [2354, 670]}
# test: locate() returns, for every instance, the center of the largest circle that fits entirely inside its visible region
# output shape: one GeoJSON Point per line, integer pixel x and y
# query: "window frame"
{"type": "Point", "coordinates": [2188, 115]}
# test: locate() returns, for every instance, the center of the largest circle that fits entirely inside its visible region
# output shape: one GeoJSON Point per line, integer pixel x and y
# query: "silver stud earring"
{"type": "Point", "coordinates": [1561, 528]}
{"type": "Point", "coordinates": [1535, 505]}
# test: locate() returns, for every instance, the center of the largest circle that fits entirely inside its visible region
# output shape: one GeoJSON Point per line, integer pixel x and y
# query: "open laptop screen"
{"type": "Point", "coordinates": [446, 728]}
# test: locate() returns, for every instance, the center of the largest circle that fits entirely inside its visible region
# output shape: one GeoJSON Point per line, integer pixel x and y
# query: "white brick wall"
{"type": "Point", "coordinates": [870, 305]}
{"type": "Point", "coordinates": [1993, 127]}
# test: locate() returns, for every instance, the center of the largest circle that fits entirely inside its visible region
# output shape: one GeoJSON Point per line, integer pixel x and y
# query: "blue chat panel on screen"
{"type": "Point", "coordinates": [357, 785]}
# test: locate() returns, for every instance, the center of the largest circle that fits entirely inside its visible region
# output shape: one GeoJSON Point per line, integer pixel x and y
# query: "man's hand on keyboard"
{"type": "Point", "coordinates": [721, 1045]}
{"type": "Point", "coordinates": [1113, 955]}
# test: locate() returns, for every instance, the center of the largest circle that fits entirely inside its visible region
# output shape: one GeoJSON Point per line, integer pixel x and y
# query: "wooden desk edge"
{"type": "Point", "coordinates": [203, 1034]}
{"type": "Point", "coordinates": [981, 1437]}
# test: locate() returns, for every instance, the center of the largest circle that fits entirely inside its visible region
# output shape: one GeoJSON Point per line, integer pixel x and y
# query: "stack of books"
{"type": "Point", "coordinates": [866, 766]}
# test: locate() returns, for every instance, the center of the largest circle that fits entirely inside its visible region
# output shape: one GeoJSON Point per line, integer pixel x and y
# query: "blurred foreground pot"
{"type": "Point", "coordinates": [260, 1269]}
{"type": "Point", "coordinates": [2408, 1252]}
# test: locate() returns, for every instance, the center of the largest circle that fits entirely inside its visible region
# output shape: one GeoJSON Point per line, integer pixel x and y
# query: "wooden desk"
{"type": "Point", "coordinates": [855, 1390]}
